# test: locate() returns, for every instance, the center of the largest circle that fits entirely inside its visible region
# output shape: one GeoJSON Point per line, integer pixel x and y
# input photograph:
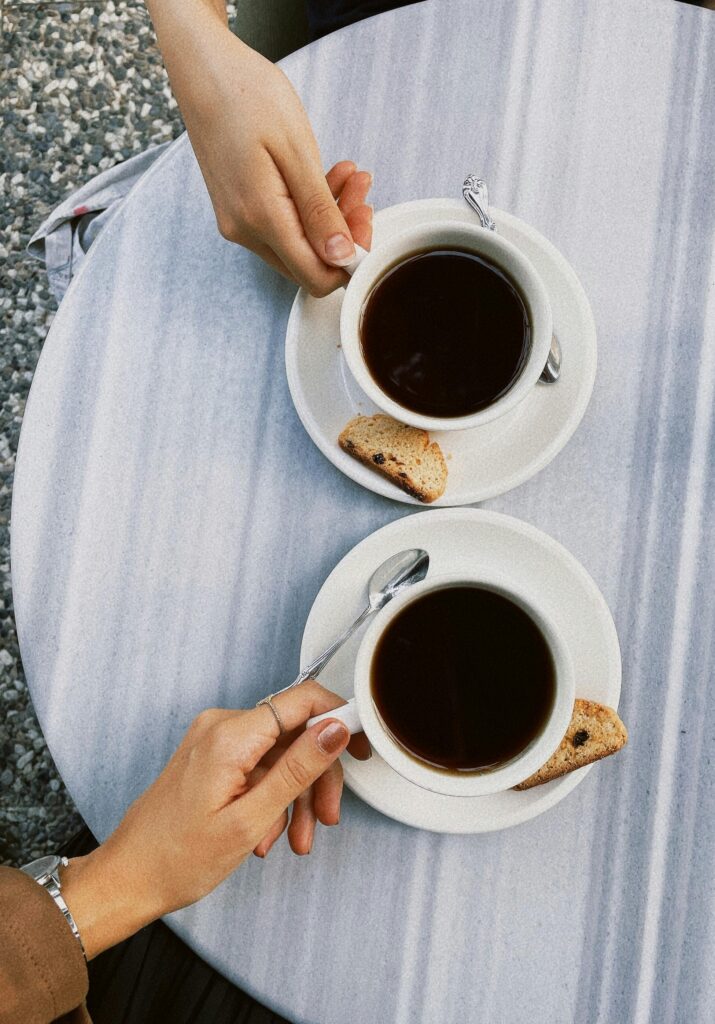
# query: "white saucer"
{"type": "Point", "coordinates": [486, 460]}
{"type": "Point", "coordinates": [457, 540]}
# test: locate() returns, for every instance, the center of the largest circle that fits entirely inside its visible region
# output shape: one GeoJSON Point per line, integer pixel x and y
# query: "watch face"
{"type": "Point", "coordinates": [43, 867]}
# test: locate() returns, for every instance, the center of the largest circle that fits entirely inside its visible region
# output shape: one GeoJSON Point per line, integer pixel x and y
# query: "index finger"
{"type": "Point", "coordinates": [285, 234]}
{"type": "Point", "coordinates": [311, 695]}
{"type": "Point", "coordinates": [297, 705]}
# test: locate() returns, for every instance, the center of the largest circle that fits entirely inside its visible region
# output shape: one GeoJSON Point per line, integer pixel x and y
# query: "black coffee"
{"type": "Point", "coordinates": [463, 678]}
{"type": "Point", "coordinates": [445, 333]}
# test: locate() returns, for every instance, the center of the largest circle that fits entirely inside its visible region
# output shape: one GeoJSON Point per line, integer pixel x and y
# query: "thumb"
{"type": "Point", "coordinates": [303, 762]}
{"type": "Point", "coordinates": [322, 221]}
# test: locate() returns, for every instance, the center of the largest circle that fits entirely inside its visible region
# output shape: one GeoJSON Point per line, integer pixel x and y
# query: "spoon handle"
{"type": "Point", "coordinates": [475, 192]}
{"type": "Point", "coordinates": [317, 666]}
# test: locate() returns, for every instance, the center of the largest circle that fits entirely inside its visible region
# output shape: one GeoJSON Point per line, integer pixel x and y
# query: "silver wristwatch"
{"type": "Point", "coordinates": [45, 871]}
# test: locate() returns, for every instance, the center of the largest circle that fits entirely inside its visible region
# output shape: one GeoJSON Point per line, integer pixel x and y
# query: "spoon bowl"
{"type": "Point", "coordinates": [396, 573]}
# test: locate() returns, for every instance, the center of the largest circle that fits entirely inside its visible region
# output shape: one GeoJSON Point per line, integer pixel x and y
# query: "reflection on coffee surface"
{"type": "Point", "coordinates": [463, 678]}
{"type": "Point", "coordinates": [445, 333]}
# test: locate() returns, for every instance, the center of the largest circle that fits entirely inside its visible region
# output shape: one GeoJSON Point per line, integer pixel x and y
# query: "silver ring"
{"type": "Point", "coordinates": [268, 701]}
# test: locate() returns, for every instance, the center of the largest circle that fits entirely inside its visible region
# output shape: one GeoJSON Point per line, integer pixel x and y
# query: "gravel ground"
{"type": "Point", "coordinates": [82, 87]}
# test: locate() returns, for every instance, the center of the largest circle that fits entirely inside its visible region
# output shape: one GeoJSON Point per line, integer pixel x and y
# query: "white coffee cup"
{"type": "Point", "coordinates": [370, 267]}
{"type": "Point", "coordinates": [361, 715]}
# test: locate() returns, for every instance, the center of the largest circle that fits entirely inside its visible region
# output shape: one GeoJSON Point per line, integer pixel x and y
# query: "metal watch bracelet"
{"type": "Point", "coordinates": [45, 871]}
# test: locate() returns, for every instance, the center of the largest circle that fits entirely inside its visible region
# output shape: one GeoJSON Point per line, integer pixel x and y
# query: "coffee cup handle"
{"type": "Point", "coordinates": [360, 255]}
{"type": "Point", "coordinates": [348, 714]}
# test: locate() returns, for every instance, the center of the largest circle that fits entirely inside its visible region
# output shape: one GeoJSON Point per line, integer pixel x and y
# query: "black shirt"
{"type": "Point", "coordinates": [327, 15]}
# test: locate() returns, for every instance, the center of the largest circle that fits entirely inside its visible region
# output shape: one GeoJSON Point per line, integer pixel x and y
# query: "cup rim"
{"type": "Point", "coordinates": [483, 243]}
{"type": "Point", "coordinates": [526, 762]}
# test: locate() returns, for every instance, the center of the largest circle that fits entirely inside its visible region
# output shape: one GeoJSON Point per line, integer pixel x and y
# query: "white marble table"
{"type": "Point", "coordinates": [172, 522]}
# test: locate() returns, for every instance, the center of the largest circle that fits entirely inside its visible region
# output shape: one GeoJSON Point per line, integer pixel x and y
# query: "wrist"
{"type": "Point", "coordinates": [167, 8]}
{"type": "Point", "coordinates": [106, 907]}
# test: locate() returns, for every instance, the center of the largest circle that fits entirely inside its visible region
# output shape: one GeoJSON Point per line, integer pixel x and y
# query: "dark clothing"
{"type": "Point", "coordinates": [328, 15]}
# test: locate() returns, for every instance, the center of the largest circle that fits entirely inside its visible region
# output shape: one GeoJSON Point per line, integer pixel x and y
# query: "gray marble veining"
{"type": "Point", "coordinates": [161, 462]}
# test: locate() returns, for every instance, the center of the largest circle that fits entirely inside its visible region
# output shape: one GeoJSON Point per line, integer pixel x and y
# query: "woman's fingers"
{"type": "Point", "coordinates": [285, 234]}
{"type": "Point", "coordinates": [327, 791]}
{"type": "Point", "coordinates": [270, 217]}
{"type": "Point", "coordinates": [359, 747]}
{"type": "Point", "coordinates": [354, 192]}
{"type": "Point", "coordinates": [297, 705]}
{"type": "Point", "coordinates": [359, 221]}
{"type": "Point", "coordinates": [273, 834]}
{"type": "Point", "coordinates": [304, 216]}
{"type": "Point", "coordinates": [302, 702]}
{"type": "Point", "coordinates": [295, 771]}
{"type": "Point", "coordinates": [358, 215]}
{"type": "Point", "coordinates": [338, 175]}
{"type": "Point", "coordinates": [320, 215]}
{"type": "Point", "coordinates": [351, 200]}
{"type": "Point", "coordinates": [321, 802]}
{"type": "Point", "coordinates": [302, 824]}
{"type": "Point", "coordinates": [242, 741]}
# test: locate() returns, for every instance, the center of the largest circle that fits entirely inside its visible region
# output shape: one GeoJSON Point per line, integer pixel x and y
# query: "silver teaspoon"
{"type": "Point", "coordinates": [390, 578]}
{"type": "Point", "coordinates": [475, 192]}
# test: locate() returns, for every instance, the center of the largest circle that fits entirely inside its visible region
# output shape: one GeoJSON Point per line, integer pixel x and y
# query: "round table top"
{"type": "Point", "coordinates": [172, 521]}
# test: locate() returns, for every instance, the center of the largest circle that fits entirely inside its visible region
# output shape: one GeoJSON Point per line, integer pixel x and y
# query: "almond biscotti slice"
{"type": "Point", "coordinates": [403, 454]}
{"type": "Point", "coordinates": [594, 731]}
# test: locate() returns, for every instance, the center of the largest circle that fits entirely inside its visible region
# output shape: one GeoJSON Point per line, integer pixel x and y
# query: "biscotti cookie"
{"type": "Point", "coordinates": [595, 731]}
{"type": "Point", "coordinates": [403, 454]}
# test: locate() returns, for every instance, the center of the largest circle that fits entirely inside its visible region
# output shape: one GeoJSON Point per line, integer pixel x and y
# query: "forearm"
{"type": "Point", "coordinates": [178, 10]}
{"type": "Point", "coordinates": [189, 33]}
{"type": "Point", "coordinates": [199, 51]}
{"type": "Point", "coordinates": [106, 905]}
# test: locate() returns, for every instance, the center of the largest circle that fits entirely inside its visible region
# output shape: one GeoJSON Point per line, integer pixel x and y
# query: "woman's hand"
{"type": "Point", "coordinates": [224, 793]}
{"type": "Point", "coordinates": [257, 151]}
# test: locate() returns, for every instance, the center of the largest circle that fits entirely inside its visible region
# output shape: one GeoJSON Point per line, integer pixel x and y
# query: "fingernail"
{"type": "Point", "coordinates": [333, 737]}
{"type": "Point", "coordinates": [339, 250]}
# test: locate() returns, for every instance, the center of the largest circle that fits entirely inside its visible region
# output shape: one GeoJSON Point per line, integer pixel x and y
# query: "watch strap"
{"type": "Point", "coordinates": [70, 921]}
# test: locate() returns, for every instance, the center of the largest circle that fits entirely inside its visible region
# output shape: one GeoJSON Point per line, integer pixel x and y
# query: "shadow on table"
{"type": "Point", "coordinates": [154, 977]}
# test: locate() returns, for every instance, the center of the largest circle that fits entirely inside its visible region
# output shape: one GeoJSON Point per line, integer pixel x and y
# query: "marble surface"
{"type": "Point", "coordinates": [172, 522]}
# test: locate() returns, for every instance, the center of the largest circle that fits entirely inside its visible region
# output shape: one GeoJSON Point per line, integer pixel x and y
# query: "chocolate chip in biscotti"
{"type": "Point", "coordinates": [580, 738]}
